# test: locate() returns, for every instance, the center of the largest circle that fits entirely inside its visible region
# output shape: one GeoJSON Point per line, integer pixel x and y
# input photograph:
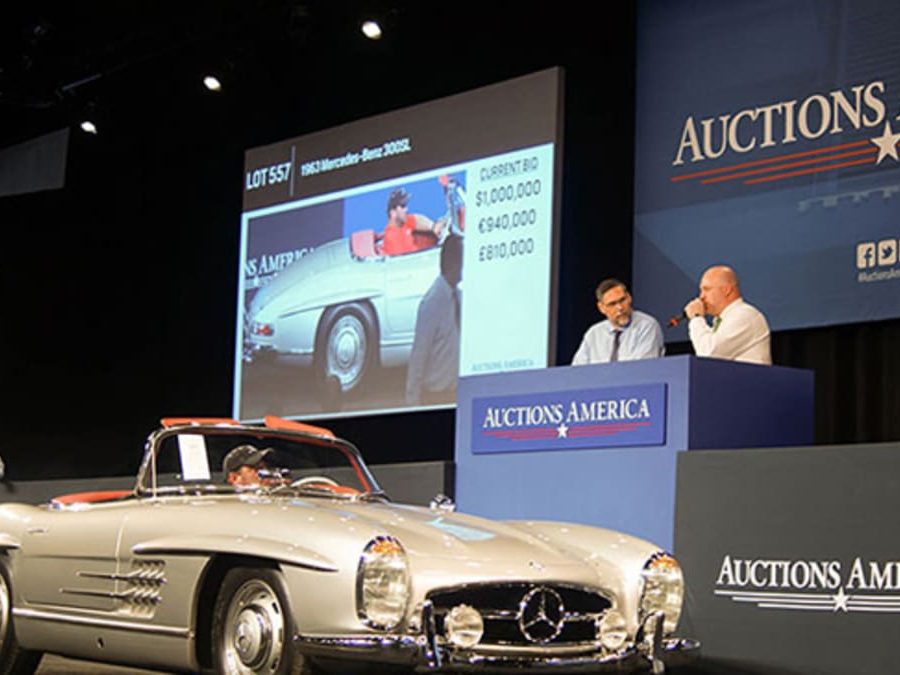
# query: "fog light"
{"type": "Point", "coordinates": [613, 631]}
{"type": "Point", "coordinates": [464, 626]}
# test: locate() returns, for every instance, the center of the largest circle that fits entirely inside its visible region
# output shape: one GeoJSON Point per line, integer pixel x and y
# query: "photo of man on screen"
{"type": "Point", "coordinates": [434, 361]}
{"type": "Point", "coordinates": [407, 232]}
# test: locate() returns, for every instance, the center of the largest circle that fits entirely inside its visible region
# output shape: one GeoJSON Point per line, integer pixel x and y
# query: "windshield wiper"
{"type": "Point", "coordinates": [377, 496]}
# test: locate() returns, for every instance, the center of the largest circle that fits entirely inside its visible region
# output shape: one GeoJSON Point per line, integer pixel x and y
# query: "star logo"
{"type": "Point", "coordinates": [541, 615]}
{"type": "Point", "coordinates": [562, 431]}
{"type": "Point", "coordinates": [886, 144]}
{"type": "Point", "coordinates": [840, 600]}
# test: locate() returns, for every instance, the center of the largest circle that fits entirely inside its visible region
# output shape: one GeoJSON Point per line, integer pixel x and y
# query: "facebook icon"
{"type": "Point", "coordinates": [865, 255]}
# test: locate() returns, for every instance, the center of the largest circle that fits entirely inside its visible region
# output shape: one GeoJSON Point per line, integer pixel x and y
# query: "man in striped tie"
{"type": "Point", "coordinates": [625, 335]}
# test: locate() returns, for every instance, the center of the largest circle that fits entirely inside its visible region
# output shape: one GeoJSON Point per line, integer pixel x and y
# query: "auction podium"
{"type": "Point", "coordinates": [598, 444]}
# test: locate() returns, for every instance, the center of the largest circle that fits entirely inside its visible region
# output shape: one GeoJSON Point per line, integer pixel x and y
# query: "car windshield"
{"type": "Point", "coordinates": [193, 460]}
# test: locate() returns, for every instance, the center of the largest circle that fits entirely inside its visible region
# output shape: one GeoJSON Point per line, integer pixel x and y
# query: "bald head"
{"type": "Point", "coordinates": [721, 274]}
{"type": "Point", "coordinates": [719, 288]}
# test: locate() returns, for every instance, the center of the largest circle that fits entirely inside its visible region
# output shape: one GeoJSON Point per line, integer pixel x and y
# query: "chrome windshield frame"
{"type": "Point", "coordinates": [147, 480]}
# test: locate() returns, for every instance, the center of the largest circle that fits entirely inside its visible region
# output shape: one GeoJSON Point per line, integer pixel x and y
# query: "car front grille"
{"type": "Point", "coordinates": [526, 614]}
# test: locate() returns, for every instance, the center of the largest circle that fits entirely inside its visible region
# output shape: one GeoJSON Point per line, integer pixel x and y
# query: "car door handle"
{"type": "Point", "coordinates": [36, 530]}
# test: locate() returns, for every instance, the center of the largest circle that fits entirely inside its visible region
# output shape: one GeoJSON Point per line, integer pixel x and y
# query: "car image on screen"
{"type": "Point", "coordinates": [350, 305]}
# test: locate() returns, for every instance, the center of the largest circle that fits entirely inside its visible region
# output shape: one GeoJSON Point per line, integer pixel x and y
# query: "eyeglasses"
{"type": "Point", "coordinates": [615, 303]}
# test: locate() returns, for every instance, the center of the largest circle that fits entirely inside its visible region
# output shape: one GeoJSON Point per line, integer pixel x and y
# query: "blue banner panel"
{"type": "Point", "coordinates": [611, 417]}
{"type": "Point", "coordinates": [767, 136]}
{"type": "Point", "coordinates": [794, 549]}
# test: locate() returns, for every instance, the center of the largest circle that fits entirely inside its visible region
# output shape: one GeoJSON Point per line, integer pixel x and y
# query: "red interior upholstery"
{"type": "Point", "coordinates": [337, 489]}
{"type": "Point", "coordinates": [362, 244]}
{"type": "Point", "coordinates": [91, 497]}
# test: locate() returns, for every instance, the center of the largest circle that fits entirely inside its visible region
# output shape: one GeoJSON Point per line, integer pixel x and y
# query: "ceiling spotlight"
{"type": "Point", "coordinates": [371, 29]}
{"type": "Point", "coordinates": [89, 127]}
{"type": "Point", "coordinates": [212, 83]}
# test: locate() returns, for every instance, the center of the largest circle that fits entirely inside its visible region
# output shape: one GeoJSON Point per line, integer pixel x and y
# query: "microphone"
{"type": "Point", "coordinates": [678, 318]}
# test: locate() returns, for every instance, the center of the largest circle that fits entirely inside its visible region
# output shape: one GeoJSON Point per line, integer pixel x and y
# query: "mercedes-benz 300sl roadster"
{"type": "Point", "coordinates": [271, 549]}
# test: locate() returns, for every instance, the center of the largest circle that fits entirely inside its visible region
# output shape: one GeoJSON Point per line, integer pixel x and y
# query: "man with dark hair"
{"type": "Point", "coordinates": [407, 232]}
{"type": "Point", "coordinates": [434, 360]}
{"type": "Point", "coordinates": [625, 335]}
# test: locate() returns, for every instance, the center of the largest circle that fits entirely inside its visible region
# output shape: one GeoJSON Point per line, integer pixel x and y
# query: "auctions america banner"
{"type": "Point", "coordinates": [610, 417]}
{"type": "Point", "coordinates": [767, 136]}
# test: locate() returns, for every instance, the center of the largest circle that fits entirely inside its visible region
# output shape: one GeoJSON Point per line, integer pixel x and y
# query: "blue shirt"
{"type": "Point", "coordinates": [641, 339]}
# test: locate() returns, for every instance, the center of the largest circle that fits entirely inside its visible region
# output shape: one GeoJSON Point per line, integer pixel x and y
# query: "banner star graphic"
{"type": "Point", "coordinates": [840, 600]}
{"type": "Point", "coordinates": [562, 431]}
{"type": "Point", "coordinates": [887, 144]}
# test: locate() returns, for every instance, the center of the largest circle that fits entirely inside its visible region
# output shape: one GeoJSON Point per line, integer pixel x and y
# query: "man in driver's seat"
{"type": "Point", "coordinates": [241, 465]}
{"type": "Point", "coordinates": [407, 232]}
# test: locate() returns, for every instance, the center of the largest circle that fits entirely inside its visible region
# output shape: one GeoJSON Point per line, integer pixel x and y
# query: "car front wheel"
{"type": "Point", "coordinates": [253, 626]}
{"type": "Point", "coordinates": [13, 659]}
{"type": "Point", "coordinates": [346, 348]}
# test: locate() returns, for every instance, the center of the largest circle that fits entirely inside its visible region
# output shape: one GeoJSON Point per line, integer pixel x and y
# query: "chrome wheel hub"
{"type": "Point", "coordinates": [252, 637]}
{"type": "Point", "coordinates": [255, 630]}
{"type": "Point", "coordinates": [347, 350]}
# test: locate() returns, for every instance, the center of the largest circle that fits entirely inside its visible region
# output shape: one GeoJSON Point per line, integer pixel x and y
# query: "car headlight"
{"type": "Point", "coordinates": [382, 583]}
{"type": "Point", "coordinates": [663, 589]}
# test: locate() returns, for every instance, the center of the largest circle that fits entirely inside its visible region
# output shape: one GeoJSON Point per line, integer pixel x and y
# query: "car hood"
{"type": "Point", "coordinates": [454, 536]}
{"type": "Point", "coordinates": [445, 548]}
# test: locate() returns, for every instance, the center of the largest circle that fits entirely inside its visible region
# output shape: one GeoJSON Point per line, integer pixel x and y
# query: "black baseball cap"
{"type": "Point", "coordinates": [244, 455]}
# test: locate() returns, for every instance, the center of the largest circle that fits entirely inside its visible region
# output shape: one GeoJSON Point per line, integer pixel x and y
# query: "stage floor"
{"type": "Point", "coordinates": [57, 665]}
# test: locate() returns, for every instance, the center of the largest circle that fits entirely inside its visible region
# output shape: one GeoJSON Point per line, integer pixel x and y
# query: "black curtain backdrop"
{"type": "Point", "coordinates": [120, 289]}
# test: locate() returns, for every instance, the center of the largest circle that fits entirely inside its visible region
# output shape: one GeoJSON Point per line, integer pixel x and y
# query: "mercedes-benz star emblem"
{"type": "Point", "coordinates": [541, 614]}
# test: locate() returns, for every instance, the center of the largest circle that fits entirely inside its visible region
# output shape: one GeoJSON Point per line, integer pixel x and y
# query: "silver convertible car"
{"type": "Point", "coordinates": [271, 549]}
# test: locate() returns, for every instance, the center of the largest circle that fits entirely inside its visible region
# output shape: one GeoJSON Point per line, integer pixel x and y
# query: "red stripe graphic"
{"type": "Point", "coordinates": [824, 157]}
{"type": "Point", "coordinates": [792, 165]}
{"type": "Point", "coordinates": [524, 434]}
{"type": "Point", "coordinates": [791, 174]}
{"type": "Point", "coordinates": [573, 432]}
{"type": "Point", "coordinates": [605, 429]}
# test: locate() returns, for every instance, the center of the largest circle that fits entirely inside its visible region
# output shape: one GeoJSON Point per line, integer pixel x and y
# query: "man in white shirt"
{"type": "Point", "coordinates": [739, 331]}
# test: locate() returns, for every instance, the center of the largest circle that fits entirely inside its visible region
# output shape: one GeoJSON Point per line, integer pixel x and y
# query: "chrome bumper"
{"type": "Point", "coordinates": [426, 654]}
{"type": "Point", "coordinates": [255, 353]}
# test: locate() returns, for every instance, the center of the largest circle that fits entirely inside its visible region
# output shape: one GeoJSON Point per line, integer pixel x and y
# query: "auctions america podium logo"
{"type": "Point", "coordinates": [812, 585]}
{"type": "Point", "coordinates": [813, 117]}
{"type": "Point", "coordinates": [581, 418]}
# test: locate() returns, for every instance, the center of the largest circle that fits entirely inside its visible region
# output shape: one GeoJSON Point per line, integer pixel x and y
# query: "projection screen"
{"type": "Point", "coordinates": [334, 319]}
